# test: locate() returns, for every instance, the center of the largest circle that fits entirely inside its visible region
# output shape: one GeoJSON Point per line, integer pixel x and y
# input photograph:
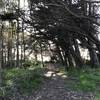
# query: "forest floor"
{"type": "Point", "coordinates": [54, 88]}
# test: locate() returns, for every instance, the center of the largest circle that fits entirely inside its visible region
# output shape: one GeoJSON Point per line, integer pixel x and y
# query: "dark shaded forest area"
{"type": "Point", "coordinates": [38, 34]}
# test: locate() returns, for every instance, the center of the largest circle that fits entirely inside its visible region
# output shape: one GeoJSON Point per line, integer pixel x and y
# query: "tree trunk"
{"type": "Point", "coordinates": [18, 29]}
{"type": "Point", "coordinates": [93, 56]}
{"type": "Point", "coordinates": [10, 46]}
{"type": "Point", "coordinates": [66, 62]}
{"type": "Point", "coordinates": [17, 44]}
{"type": "Point", "coordinates": [41, 51]}
{"type": "Point", "coordinates": [70, 60]}
{"type": "Point", "coordinates": [1, 29]}
{"type": "Point", "coordinates": [77, 52]}
{"type": "Point", "coordinates": [60, 54]}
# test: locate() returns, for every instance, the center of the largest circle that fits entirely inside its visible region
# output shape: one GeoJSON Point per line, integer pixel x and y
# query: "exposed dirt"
{"type": "Point", "coordinates": [54, 88]}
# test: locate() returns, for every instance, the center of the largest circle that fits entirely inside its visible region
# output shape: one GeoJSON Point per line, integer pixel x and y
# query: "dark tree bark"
{"type": "Point", "coordinates": [1, 30]}
{"type": "Point", "coordinates": [93, 56]}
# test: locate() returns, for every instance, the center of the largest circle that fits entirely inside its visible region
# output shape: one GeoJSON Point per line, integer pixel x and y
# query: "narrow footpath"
{"type": "Point", "coordinates": [54, 88]}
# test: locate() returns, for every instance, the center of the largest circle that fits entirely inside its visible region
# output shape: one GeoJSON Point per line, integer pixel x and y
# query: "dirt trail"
{"type": "Point", "coordinates": [54, 88]}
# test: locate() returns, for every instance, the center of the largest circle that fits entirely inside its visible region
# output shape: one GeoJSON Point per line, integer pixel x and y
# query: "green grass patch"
{"type": "Point", "coordinates": [87, 80]}
{"type": "Point", "coordinates": [24, 80]}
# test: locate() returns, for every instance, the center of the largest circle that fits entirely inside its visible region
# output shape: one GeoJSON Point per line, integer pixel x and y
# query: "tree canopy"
{"type": "Point", "coordinates": [70, 24]}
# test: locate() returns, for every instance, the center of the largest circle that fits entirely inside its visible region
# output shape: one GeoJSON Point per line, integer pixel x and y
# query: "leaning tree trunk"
{"type": "Point", "coordinates": [93, 56]}
{"type": "Point", "coordinates": [66, 61]}
{"type": "Point", "coordinates": [60, 54]}
{"type": "Point", "coordinates": [77, 52]}
{"type": "Point", "coordinates": [70, 60]}
{"type": "Point", "coordinates": [77, 59]}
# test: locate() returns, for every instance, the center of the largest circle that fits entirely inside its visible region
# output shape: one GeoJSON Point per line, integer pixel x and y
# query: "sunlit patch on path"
{"type": "Point", "coordinates": [52, 74]}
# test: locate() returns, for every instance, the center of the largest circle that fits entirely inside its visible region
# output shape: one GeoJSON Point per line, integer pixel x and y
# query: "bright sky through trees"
{"type": "Point", "coordinates": [23, 4]}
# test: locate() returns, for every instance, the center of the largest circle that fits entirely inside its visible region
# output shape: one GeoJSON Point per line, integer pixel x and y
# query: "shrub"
{"type": "Point", "coordinates": [20, 80]}
{"type": "Point", "coordinates": [86, 79]}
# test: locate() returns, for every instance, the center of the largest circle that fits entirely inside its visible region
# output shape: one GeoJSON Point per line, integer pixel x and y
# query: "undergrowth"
{"type": "Point", "coordinates": [20, 80]}
{"type": "Point", "coordinates": [87, 80]}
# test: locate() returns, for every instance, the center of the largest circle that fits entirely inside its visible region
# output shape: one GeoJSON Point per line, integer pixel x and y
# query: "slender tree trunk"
{"type": "Point", "coordinates": [17, 44]}
{"type": "Point", "coordinates": [5, 57]}
{"type": "Point", "coordinates": [23, 38]}
{"type": "Point", "coordinates": [21, 60]}
{"type": "Point", "coordinates": [78, 61]}
{"type": "Point", "coordinates": [60, 55]}
{"type": "Point", "coordinates": [1, 30]}
{"type": "Point", "coordinates": [23, 44]}
{"type": "Point", "coordinates": [2, 49]}
{"type": "Point", "coordinates": [35, 53]}
{"type": "Point", "coordinates": [70, 60]}
{"type": "Point", "coordinates": [66, 62]}
{"type": "Point", "coordinates": [18, 28]}
{"type": "Point", "coordinates": [41, 54]}
{"type": "Point", "coordinates": [93, 56]}
{"type": "Point", "coordinates": [50, 50]}
{"type": "Point", "coordinates": [78, 53]}
{"type": "Point", "coordinates": [10, 46]}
